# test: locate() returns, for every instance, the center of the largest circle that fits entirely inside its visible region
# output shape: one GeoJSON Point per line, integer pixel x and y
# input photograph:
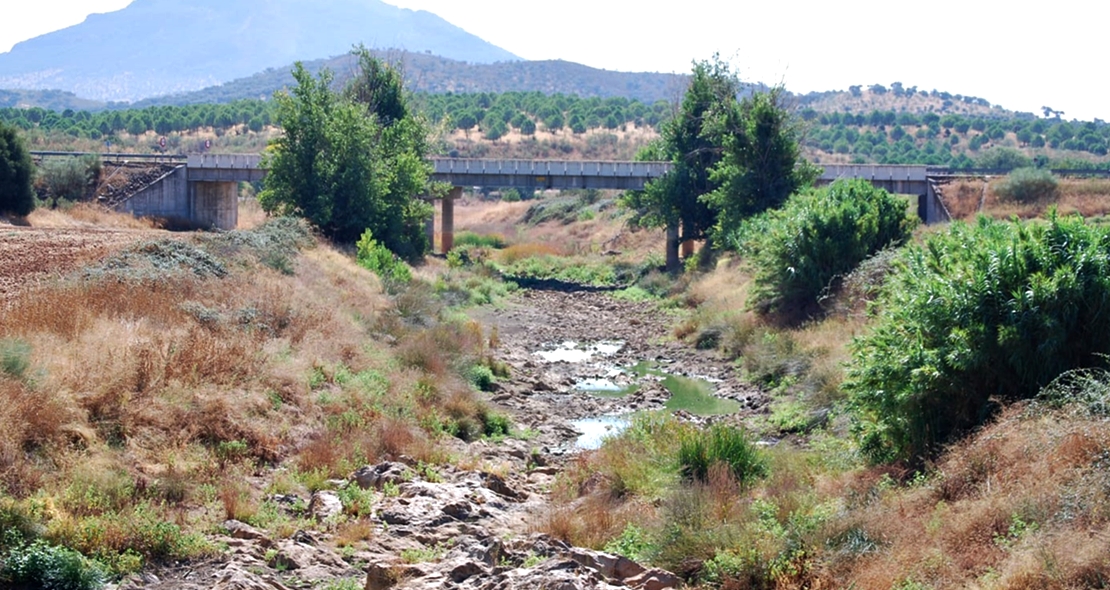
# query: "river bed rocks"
{"type": "Point", "coordinates": [475, 524]}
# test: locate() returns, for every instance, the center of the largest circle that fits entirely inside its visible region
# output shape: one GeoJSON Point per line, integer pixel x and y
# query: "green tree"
{"type": "Point", "coordinates": [761, 163]}
{"type": "Point", "coordinates": [17, 173]}
{"type": "Point", "coordinates": [689, 143]}
{"type": "Point", "coordinates": [351, 161]}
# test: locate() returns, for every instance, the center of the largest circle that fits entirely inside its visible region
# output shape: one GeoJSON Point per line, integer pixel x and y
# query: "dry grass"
{"type": "Point", "coordinates": [86, 215]}
{"type": "Point", "coordinates": [159, 400]}
{"type": "Point", "coordinates": [1009, 509]}
{"type": "Point", "coordinates": [607, 232]}
{"type": "Point", "coordinates": [251, 214]}
{"type": "Point", "coordinates": [1087, 197]}
{"type": "Point", "coordinates": [963, 198]}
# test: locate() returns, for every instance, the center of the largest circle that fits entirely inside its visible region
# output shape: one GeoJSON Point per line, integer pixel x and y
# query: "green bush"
{"type": "Point", "coordinates": [981, 313]}
{"type": "Point", "coordinates": [40, 565]}
{"type": "Point", "coordinates": [469, 238]}
{"type": "Point", "coordinates": [376, 258]}
{"type": "Point", "coordinates": [17, 173]}
{"type": "Point", "coordinates": [71, 179]}
{"type": "Point", "coordinates": [1028, 185]}
{"type": "Point", "coordinates": [800, 250]}
{"type": "Point", "coordinates": [698, 451]}
{"type": "Point", "coordinates": [15, 358]}
{"type": "Point", "coordinates": [480, 376]}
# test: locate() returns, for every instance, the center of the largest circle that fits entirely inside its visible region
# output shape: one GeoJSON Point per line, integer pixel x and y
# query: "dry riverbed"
{"type": "Point", "coordinates": [576, 358]}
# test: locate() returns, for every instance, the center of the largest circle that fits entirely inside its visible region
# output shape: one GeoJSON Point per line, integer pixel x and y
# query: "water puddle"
{"type": "Point", "coordinates": [692, 395]}
{"type": "Point", "coordinates": [599, 386]}
{"type": "Point", "coordinates": [572, 352]}
{"type": "Point", "coordinates": [596, 430]}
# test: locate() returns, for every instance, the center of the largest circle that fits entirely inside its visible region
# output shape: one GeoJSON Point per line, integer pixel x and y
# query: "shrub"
{"type": "Point", "coordinates": [379, 260]}
{"type": "Point", "coordinates": [800, 250]}
{"type": "Point", "coordinates": [984, 312]}
{"type": "Point", "coordinates": [15, 358]}
{"type": "Point", "coordinates": [722, 443]}
{"type": "Point", "coordinates": [480, 376]}
{"type": "Point", "coordinates": [469, 238]}
{"type": "Point", "coordinates": [1027, 185]}
{"type": "Point", "coordinates": [40, 565]}
{"type": "Point", "coordinates": [17, 173]}
{"type": "Point", "coordinates": [71, 178]}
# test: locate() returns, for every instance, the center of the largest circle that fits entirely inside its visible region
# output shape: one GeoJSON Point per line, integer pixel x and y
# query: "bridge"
{"type": "Point", "coordinates": [202, 189]}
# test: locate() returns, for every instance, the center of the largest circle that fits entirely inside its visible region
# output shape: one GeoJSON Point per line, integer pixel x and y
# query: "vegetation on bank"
{"type": "Point", "coordinates": [187, 364]}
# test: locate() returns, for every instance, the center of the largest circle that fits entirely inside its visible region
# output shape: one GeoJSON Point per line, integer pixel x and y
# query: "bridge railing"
{"type": "Point", "coordinates": [458, 166]}
{"type": "Point", "coordinates": [115, 157]}
{"type": "Point", "coordinates": [226, 161]}
{"type": "Point", "coordinates": [881, 172]}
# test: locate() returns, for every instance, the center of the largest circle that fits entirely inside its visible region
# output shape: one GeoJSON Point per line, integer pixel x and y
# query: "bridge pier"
{"type": "Point", "coordinates": [447, 224]}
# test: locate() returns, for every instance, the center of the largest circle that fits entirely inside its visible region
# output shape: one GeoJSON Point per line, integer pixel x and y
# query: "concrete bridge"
{"type": "Point", "coordinates": [202, 190]}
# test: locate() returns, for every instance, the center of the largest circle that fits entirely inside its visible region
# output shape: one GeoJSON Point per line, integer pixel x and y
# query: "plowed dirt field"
{"type": "Point", "coordinates": [30, 255]}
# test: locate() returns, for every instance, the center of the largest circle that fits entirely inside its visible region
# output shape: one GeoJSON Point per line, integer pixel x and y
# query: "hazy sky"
{"type": "Point", "coordinates": [1022, 56]}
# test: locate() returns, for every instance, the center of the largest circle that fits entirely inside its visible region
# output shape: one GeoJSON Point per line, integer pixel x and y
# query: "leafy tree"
{"type": "Point", "coordinates": [16, 173]}
{"type": "Point", "coordinates": [345, 166]}
{"type": "Point", "coordinates": [761, 163]}
{"type": "Point", "coordinates": [688, 141]}
{"type": "Point", "coordinates": [732, 158]}
{"type": "Point", "coordinates": [1002, 158]}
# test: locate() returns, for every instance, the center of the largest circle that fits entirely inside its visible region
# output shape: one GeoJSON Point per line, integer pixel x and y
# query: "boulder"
{"type": "Point", "coordinates": [324, 505]}
{"type": "Point", "coordinates": [241, 530]}
{"type": "Point", "coordinates": [377, 476]}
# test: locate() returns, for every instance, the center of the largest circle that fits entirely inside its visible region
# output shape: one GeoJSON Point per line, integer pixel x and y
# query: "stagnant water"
{"type": "Point", "coordinates": [689, 394]}
{"type": "Point", "coordinates": [596, 430]}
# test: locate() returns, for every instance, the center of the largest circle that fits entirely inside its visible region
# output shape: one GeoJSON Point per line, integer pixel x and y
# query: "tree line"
{"type": "Point", "coordinates": [954, 140]}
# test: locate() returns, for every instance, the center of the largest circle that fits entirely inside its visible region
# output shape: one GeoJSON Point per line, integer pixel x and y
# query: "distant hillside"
{"type": "Point", "coordinates": [158, 47]}
{"type": "Point", "coordinates": [54, 100]}
{"type": "Point", "coordinates": [434, 75]}
{"type": "Point", "coordinates": [898, 98]}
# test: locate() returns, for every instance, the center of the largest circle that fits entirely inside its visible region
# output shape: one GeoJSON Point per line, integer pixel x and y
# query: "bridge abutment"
{"type": "Point", "coordinates": [214, 205]}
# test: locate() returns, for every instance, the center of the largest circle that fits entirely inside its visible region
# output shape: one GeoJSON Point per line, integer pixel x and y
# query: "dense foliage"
{"type": "Point", "coordinates": [979, 314]}
{"type": "Point", "coordinates": [799, 251]}
{"type": "Point", "coordinates": [690, 143]}
{"type": "Point", "coordinates": [16, 173]}
{"type": "Point", "coordinates": [761, 161]}
{"type": "Point", "coordinates": [41, 565]}
{"type": "Point", "coordinates": [352, 162]}
{"type": "Point", "coordinates": [733, 158]}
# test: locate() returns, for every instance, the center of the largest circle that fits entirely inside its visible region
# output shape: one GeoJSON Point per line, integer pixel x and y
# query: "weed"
{"type": "Point", "coordinates": [41, 565]}
{"type": "Point", "coordinates": [424, 554]}
{"type": "Point", "coordinates": [632, 543]}
{"type": "Point", "coordinates": [699, 451]}
{"type": "Point", "coordinates": [15, 358]}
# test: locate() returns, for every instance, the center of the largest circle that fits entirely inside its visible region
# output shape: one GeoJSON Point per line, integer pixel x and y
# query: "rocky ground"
{"type": "Point", "coordinates": [475, 526]}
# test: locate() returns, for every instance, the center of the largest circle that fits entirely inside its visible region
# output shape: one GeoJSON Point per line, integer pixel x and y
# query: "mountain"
{"type": "Point", "coordinates": [434, 74]}
{"type": "Point", "coordinates": [157, 47]}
